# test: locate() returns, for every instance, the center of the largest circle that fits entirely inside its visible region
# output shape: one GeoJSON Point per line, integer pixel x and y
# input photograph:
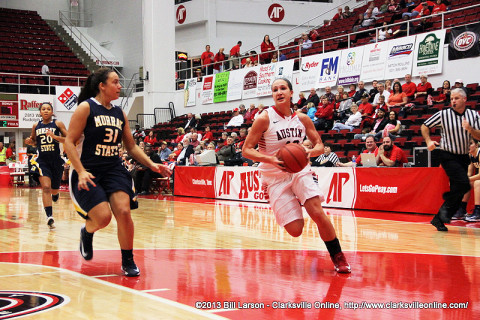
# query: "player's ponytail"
{"type": "Point", "coordinates": [90, 88]}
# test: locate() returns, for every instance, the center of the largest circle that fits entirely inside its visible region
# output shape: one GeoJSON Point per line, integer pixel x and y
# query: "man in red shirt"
{"type": "Point", "coordinates": [409, 87]}
{"type": "Point", "coordinates": [235, 55]}
{"type": "Point", "coordinates": [365, 108]}
{"type": "Point", "coordinates": [324, 115]}
{"type": "Point", "coordinates": [207, 59]}
{"type": "Point", "coordinates": [389, 155]}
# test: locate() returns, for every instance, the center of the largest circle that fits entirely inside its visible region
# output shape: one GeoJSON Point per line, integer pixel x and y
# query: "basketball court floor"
{"type": "Point", "coordinates": [211, 259]}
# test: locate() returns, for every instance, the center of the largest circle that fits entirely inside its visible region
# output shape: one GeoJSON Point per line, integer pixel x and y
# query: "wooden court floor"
{"type": "Point", "coordinates": [202, 258]}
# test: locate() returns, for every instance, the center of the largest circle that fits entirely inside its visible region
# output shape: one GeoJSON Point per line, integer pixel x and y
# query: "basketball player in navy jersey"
{"type": "Point", "coordinates": [99, 184]}
{"type": "Point", "coordinates": [46, 136]}
{"type": "Point", "coordinates": [288, 191]}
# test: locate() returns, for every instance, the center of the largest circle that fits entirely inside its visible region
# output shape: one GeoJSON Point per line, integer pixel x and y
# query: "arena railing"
{"type": "Point", "coordinates": [297, 48]}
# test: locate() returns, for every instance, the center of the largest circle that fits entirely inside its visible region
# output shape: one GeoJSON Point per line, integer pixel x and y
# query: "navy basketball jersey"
{"type": "Point", "coordinates": [48, 148]}
{"type": "Point", "coordinates": [475, 160]}
{"type": "Point", "coordinates": [102, 134]}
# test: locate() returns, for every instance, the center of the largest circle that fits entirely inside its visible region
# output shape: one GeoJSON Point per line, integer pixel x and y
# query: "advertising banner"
{"type": "Point", "coordinates": [28, 108]}
{"type": "Point", "coordinates": [221, 86]}
{"type": "Point", "coordinates": [350, 66]}
{"type": "Point", "coordinates": [428, 57]}
{"type": "Point", "coordinates": [400, 57]}
{"type": "Point", "coordinates": [238, 183]}
{"type": "Point", "coordinates": [284, 69]}
{"type": "Point", "coordinates": [374, 61]}
{"type": "Point", "coordinates": [309, 69]}
{"type": "Point", "coordinates": [464, 42]}
{"type": "Point", "coordinates": [266, 75]}
{"type": "Point", "coordinates": [329, 67]}
{"type": "Point", "coordinates": [190, 92]}
{"type": "Point", "coordinates": [250, 83]}
{"type": "Point", "coordinates": [207, 89]}
{"type": "Point", "coordinates": [195, 181]}
{"type": "Point", "coordinates": [66, 98]}
{"type": "Point", "coordinates": [235, 84]}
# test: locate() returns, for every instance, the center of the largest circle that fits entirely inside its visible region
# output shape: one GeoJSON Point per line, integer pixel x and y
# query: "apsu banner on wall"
{"type": "Point", "coordinates": [464, 42]}
{"type": "Point", "coordinates": [238, 183]}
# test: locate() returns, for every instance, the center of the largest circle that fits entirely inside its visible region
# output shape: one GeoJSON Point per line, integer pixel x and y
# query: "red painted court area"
{"type": "Point", "coordinates": [271, 279]}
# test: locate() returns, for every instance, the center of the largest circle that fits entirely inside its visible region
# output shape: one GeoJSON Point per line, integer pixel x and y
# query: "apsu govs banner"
{"type": "Point", "coordinates": [464, 42]}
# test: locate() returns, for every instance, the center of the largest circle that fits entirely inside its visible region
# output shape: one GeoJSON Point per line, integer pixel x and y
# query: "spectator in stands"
{"type": "Point", "coordinates": [302, 101]}
{"type": "Point", "coordinates": [236, 120]}
{"type": "Point", "coordinates": [180, 135]}
{"type": "Point", "coordinates": [393, 126]}
{"type": "Point", "coordinates": [314, 35]}
{"type": "Point", "coordinates": [274, 57]}
{"type": "Point", "coordinates": [208, 135]}
{"type": "Point", "coordinates": [242, 135]}
{"type": "Point", "coordinates": [365, 108]}
{"type": "Point", "coordinates": [420, 10]}
{"type": "Point", "coordinates": [248, 63]}
{"type": "Point", "coordinates": [235, 56]}
{"type": "Point", "coordinates": [381, 104]}
{"type": "Point", "coordinates": [191, 122]}
{"type": "Point", "coordinates": [260, 110]}
{"type": "Point", "coordinates": [145, 175]}
{"type": "Point", "coordinates": [398, 98]}
{"type": "Point", "coordinates": [372, 9]}
{"type": "Point", "coordinates": [409, 87]}
{"type": "Point", "coordinates": [328, 158]}
{"type": "Point", "coordinates": [282, 57]}
{"type": "Point", "coordinates": [267, 49]}
{"type": "Point", "coordinates": [389, 155]}
{"type": "Point", "coordinates": [424, 87]}
{"type": "Point", "coordinates": [194, 140]}
{"type": "Point", "coordinates": [439, 7]}
{"type": "Point", "coordinates": [339, 15]}
{"type": "Point", "coordinates": [198, 74]}
{"type": "Point", "coordinates": [388, 85]}
{"type": "Point", "coordinates": [358, 23]}
{"type": "Point", "coordinates": [369, 19]}
{"type": "Point", "coordinates": [164, 152]}
{"type": "Point", "coordinates": [207, 60]}
{"type": "Point", "coordinates": [373, 91]}
{"type": "Point", "coordinates": [347, 13]}
{"type": "Point", "coordinates": [222, 141]}
{"type": "Point", "coordinates": [459, 84]}
{"type": "Point", "coordinates": [405, 28]}
{"type": "Point", "coordinates": [242, 110]}
{"type": "Point", "coordinates": [370, 147]}
{"type": "Point", "coordinates": [381, 92]}
{"type": "Point", "coordinates": [409, 4]}
{"type": "Point", "coordinates": [185, 155]}
{"type": "Point", "coordinates": [324, 114]}
{"type": "Point", "coordinates": [385, 32]}
{"type": "Point", "coordinates": [353, 90]}
{"type": "Point", "coordinates": [393, 6]}
{"type": "Point", "coordinates": [10, 153]}
{"type": "Point", "coordinates": [313, 97]}
{"type": "Point", "coordinates": [151, 139]}
{"type": "Point", "coordinates": [340, 91]}
{"type": "Point", "coordinates": [219, 60]}
{"type": "Point", "coordinates": [342, 111]}
{"type": "Point", "coordinates": [226, 152]}
{"type": "Point", "coordinates": [306, 42]}
{"type": "Point", "coordinates": [444, 95]}
{"type": "Point", "coordinates": [352, 122]}
{"type": "Point", "coordinates": [311, 109]}
{"type": "Point", "coordinates": [46, 76]}
{"type": "Point", "coordinates": [138, 134]}
{"type": "Point", "coordinates": [328, 93]}
{"type": "Point", "coordinates": [250, 113]}
{"type": "Point", "coordinates": [377, 125]}
{"type": "Point", "coordinates": [384, 7]}
{"type": "Point", "coordinates": [175, 153]}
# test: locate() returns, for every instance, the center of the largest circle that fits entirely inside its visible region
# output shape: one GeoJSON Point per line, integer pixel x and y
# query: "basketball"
{"type": "Point", "coordinates": [293, 156]}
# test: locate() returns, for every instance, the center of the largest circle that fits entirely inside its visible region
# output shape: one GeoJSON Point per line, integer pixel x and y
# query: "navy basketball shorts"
{"type": "Point", "coordinates": [108, 181]}
{"type": "Point", "coordinates": [52, 168]}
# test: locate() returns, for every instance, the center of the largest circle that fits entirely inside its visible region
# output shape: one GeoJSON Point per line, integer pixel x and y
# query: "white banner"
{"type": "Point", "coordinates": [66, 98]}
{"type": "Point", "coordinates": [189, 98]}
{"type": "Point", "coordinates": [400, 57]}
{"type": "Point", "coordinates": [309, 70]}
{"type": "Point", "coordinates": [235, 84]}
{"type": "Point", "coordinates": [285, 69]}
{"type": "Point", "coordinates": [266, 75]}
{"type": "Point", "coordinates": [374, 61]}
{"type": "Point", "coordinates": [329, 64]}
{"type": "Point", "coordinates": [250, 83]}
{"type": "Point", "coordinates": [337, 186]}
{"type": "Point", "coordinates": [350, 66]}
{"type": "Point", "coordinates": [28, 108]}
{"type": "Point", "coordinates": [238, 183]}
{"type": "Point", "coordinates": [428, 57]}
{"type": "Point", "coordinates": [207, 89]}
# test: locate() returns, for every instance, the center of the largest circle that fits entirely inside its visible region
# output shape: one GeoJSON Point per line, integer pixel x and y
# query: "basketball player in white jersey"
{"type": "Point", "coordinates": [273, 129]}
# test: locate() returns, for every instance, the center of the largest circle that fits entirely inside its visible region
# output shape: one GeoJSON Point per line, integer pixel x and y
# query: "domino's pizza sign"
{"type": "Point", "coordinates": [66, 98]}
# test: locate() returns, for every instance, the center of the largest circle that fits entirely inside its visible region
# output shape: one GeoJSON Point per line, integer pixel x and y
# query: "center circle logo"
{"type": "Point", "coordinates": [465, 41]}
{"type": "Point", "coordinates": [276, 12]}
{"type": "Point", "coordinates": [181, 14]}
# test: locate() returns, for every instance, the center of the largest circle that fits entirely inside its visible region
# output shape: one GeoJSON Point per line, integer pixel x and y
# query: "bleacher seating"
{"type": "Point", "coordinates": [26, 41]}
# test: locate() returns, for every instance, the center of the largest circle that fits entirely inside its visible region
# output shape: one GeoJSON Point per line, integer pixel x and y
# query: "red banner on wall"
{"type": "Point", "coordinates": [416, 190]}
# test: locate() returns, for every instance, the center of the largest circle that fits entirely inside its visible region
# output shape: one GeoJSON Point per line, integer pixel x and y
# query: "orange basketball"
{"type": "Point", "coordinates": [293, 156]}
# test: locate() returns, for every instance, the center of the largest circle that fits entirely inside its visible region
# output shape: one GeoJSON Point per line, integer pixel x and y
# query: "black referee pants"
{"type": "Point", "coordinates": [456, 168]}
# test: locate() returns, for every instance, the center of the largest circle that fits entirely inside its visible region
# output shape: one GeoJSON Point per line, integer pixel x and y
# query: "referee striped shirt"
{"type": "Point", "coordinates": [332, 157]}
{"type": "Point", "coordinates": [454, 138]}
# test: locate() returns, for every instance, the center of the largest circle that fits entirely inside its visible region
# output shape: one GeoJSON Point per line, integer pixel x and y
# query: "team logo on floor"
{"type": "Point", "coordinates": [15, 304]}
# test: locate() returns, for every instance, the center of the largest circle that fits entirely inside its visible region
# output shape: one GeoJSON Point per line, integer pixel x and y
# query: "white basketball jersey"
{"type": "Point", "coordinates": [281, 131]}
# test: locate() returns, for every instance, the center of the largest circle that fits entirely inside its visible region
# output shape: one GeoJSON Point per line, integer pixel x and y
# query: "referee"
{"type": "Point", "coordinates": [458, 124]}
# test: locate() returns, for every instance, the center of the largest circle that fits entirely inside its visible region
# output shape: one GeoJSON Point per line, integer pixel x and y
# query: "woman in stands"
{"type": "Point", "coordinates": [397, 98]}
{"type": "Point", "coordinates": [267, 45]}
{"type": "Point", "coordinates": [99, 184]}
{"type": "Point", "coordinates": [46, 136]}
{"type": "Point", "coordinates": [287, 192]}
{"type": "Point", "coordinates": [444, 95]}
{"type": "Point", "coordinates": [150, 139]}
{"type": "Point", "coordinates": [208, 135]}
{"type": "Point", "coordinates": [392, 128]}
{"type": "Point", "coordinates": [424, 87]}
